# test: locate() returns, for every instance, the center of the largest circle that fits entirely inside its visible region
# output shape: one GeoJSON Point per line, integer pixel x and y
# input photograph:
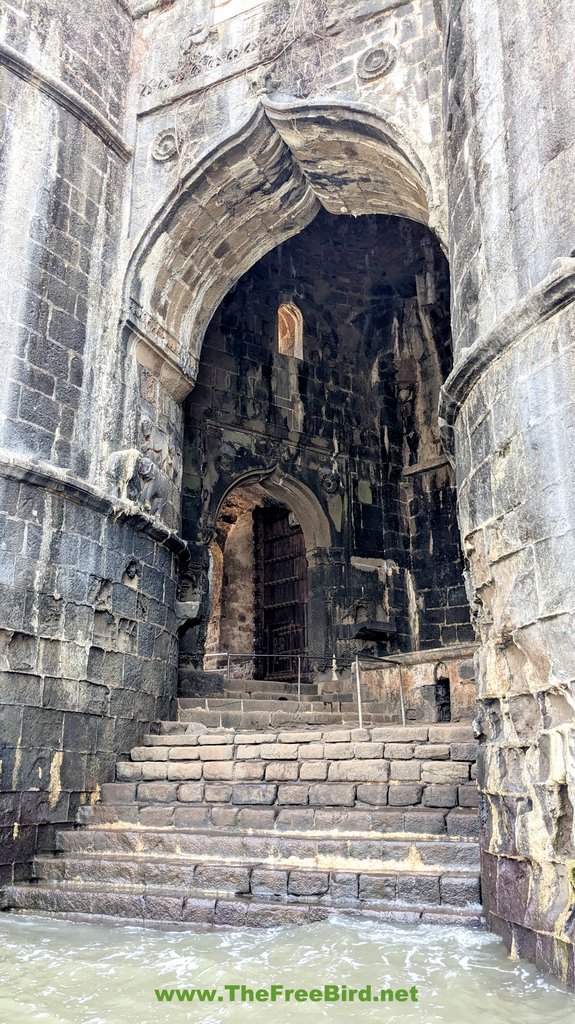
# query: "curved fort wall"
{"type": "Point", "coordinates": [510, 402]}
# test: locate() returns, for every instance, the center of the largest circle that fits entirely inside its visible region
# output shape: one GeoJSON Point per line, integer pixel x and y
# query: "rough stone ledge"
{"type": "Point", "coordinates": [426, 657]}
{"type": "Point", "coordinates": [169, 912]}
{"type": "Point", "coordinates": [65, 97]}
{"type": "Point", "coordinates": [25, 469]}
{"type": "Point", "coordinates": [552, 294]}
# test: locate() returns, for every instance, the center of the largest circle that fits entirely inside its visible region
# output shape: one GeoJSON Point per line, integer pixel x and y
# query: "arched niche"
{"type": "Point", "coordinates": [290, 330]}
{"type": "Point", "coordinates": [289, 493]}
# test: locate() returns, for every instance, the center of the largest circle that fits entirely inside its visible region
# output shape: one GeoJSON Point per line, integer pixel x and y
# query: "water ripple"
{"type": "Point", "coordinates": [64, 973]}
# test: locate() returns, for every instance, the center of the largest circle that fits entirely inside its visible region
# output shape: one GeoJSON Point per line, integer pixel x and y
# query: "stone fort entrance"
{"type": "Point", "coordinates": [265, 207]}
{"type": "Point", "coordinates": [258, 597]}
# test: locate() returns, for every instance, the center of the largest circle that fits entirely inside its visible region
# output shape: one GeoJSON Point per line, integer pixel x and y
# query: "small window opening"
{"type": "Point", "coordinates": [443, 699]}
{"type": "Point", "coordinates": [290, 330]}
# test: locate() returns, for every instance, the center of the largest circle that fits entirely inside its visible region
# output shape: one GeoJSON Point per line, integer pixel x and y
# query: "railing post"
{"type": "Point", "coordinates": [299, 678]}
{"type": "Point", "coordinates": [229, 667]}
{"type": "Point", "coordinates": [401, 699]}
{"type": "Point", "coordinates": [358, 684]}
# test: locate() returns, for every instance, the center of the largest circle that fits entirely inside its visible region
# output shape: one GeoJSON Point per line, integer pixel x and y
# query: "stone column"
{"type": "Point", "coordinates": [323, 579]}
{"type": "Point", "coordinates": [509, 412]}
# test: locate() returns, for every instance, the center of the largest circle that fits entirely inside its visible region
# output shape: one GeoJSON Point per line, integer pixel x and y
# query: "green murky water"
{"type": "Point", "coordinates": [58, 973]}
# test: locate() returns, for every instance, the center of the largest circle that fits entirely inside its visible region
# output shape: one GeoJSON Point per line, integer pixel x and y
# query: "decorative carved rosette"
{"type": "Point", "coordinates": [329, 480]}
{"type": "Point", "coordinates": [376, 63]}
{"type": "Point", "coordinates": [166, 145]}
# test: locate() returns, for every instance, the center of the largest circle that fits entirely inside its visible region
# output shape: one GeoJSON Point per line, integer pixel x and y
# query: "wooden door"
{"type": "Point", "coordinates": [280, 593]}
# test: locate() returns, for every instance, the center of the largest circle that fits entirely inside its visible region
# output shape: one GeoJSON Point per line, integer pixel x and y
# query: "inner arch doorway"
{"type": "Point", "coordinates": [258, 587]}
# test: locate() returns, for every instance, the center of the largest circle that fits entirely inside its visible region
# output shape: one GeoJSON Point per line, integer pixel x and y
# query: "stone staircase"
{"type": "Point", "coordinates": [270, 703]}
{"type": "Point", "coordinates": [246, 820]}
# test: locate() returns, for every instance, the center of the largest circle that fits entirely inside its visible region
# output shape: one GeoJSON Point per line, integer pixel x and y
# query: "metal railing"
{"type": "Point", "coordinates": [386, 661]}
{"type": "Point", "coordinates": [228, 655]}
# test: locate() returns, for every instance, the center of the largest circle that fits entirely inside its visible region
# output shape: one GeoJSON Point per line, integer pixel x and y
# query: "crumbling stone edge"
{"type": "Point", "coordinates": [547, 298]}
{"type": "Point", "coordinates": [22, 468]}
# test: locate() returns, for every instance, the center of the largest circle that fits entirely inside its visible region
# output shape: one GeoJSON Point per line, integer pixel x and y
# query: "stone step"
{"type": "Point", "coordinates": [290, 783]}
{"type": "Point", "coordinates": [261, 701]}
{"type": "Point", "coordinates": [317, 701]}
{"type": "Point", "coordinates": [449, 732]}
{"type": "Point", "coordinates": [204, 878]}
{"type": "Point", "coordinates": [375, 851]}
{"type": "Point", "coordinates": [264, 702]}
{"type": "Point", "coordinates": [316, 768]}
{"type": "Point", "coordinates": [417, 821]}
{"type": "Point", "coordinates": [338, 742]}
{"type": "Point", "coordinates": [268, 686]}
{"type": "Point", "coordinates": [386, 733]}
{"type": "Point", "coordinates": [137, 905]}
{"type": "Point", "coordinates": [215, 788]}
{"type": "Point", "coordinates": [225, 718]}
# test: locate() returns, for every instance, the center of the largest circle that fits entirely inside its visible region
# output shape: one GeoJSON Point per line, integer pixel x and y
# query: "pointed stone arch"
{"type": "Point", "coordinates": [299, 498]}
{"type": "Point", "coordinates": [317, 534]}
{"type": "Point", "coordinates": [256, 189]}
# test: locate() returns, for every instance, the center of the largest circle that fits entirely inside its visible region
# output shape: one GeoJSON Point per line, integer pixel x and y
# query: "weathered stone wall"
{"type": "Point", "coordinates": [413, 678]}
{"type": "Point", "coordinates": [243, 121]}
{"type": "Point", "coordinates": [63, 165]}
{"type": "Point", "coordinates": [87, 626]}
{"type": "Point", "coordinates": [237, 599]}
{"type": "Point", "coordinates": [510, 398]}
{"type": "Point", "coordinates": [510, 153]}
{"type": "Point", "coordinates": [378, 780]}
{"type": "Point", "coordinates": [226, 182]}
{"type": "Point", "coordinates": [87, 655]}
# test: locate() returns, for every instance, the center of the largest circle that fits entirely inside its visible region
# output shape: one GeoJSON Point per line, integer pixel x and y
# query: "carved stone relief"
{"type": "Point", "coordinates": [262, 80]}
{"type": "Point", "coordinates": [376, 63]}
{"type": "Point", "coordinates": [152, 488]}
{"type": "Point", "coordinates": [146, 475]}
{"type": "Point", "coordinates": [329, 480]}
{"type": "Point", "coordinates": [166, 145]}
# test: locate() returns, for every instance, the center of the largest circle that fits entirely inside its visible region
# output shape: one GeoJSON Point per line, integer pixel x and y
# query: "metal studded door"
{"type": "Point", "coordinates": [280, 593]}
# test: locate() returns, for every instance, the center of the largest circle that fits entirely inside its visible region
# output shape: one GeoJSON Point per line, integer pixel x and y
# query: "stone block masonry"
{"type": "Point", "coordinates": [114, 262]}
{"type": "Point", "coordinates": [253, 407]}
{"type": "Point", "coordinates": [87, 624]}
{"type": "Point", "coordinates": [510, 424]}
{"type": "Point", "coordinates": [344, 776]}
{"type": "Point", "coordinates": [64, 168]}
{"type": "Point", "coordinates": [87, 656]}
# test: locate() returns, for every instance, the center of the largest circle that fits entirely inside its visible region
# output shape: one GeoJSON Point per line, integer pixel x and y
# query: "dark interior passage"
{"type": "Point", "coordinates": [324, 364]}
